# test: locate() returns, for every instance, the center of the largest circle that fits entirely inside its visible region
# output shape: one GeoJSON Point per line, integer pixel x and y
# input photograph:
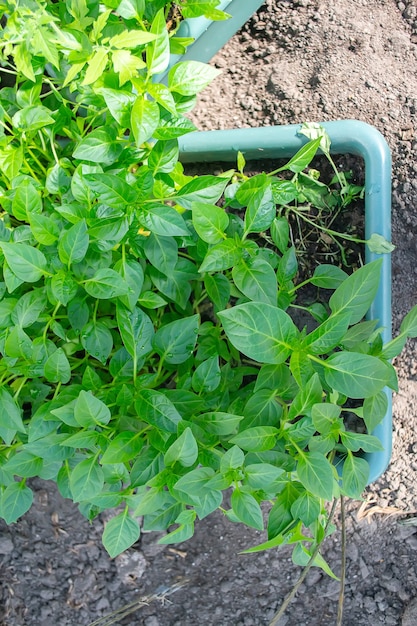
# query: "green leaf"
{"type": "Point", "coordinates": [220, 423]}
{"type": "Point", "coordinates": [207, 376]}
{"type": "Point", "coordinates": [222, 256]}
{"type": "Point", "coordinates": [234, 458]}
{"type": "Point", "coordinates": [374, 410]}
{"type": "Point", "coordinates": [132, 273]}
{"type": "Point", "coordinates": [316, 473]}
{"type": "Point", "coordinates": [218, 290]}
{"type": "Point", "coordinates": [291, 536]}
{"type": "Point", "coordinates": [44, 229]}
{"type": "Point", "coordinates": [120, 533]}
{"type": "Point", "coordinates": [262, 409]}
{"type": "Point", "coordinates": [262, 475]}
{"type": "Point", "coordinates": [247, 509]}
{"type": "Point", "coordinates": [329, 334]}
{"type": "Point", "coordinates": [86, 480]}
{"type": "Point", "coordinates": [325, 416]}
{"type": "Point", "coordinates": [175, 342]}
{"type": "Point", "coordinates": [164, 156]}
{"type": "Point", "coordinates": [184, 450]}
{"type": "Point", "coordinates": [361, 441]}
{"type": "Point", "coordinates": [57, 368]}
{"type": "Point", "coordinates": [16, 500]}
{"type": "Point", "coordinates": [191, 77]}
{"type": "Point", "coordinates": [256, 279]}
{"type": "Point", "coordinates": [123, 448]}
{"type": "Point", "coordinates": [131, 9]}
{"type": "Point", "coordinates": [179, 535]}
{"type": "Point", "coordinates": [379, 245]}
{"type": "Point", "coordinates": [96, 66]}
{"type": "Point", "coordinates": [126, 65]}
{"type": "Point", "coordinates": [136, 330]}
{"type": "Point", "coordinates": [355, 476]}
{"type": "Point", "coordinates": [280, 233]}
{"type": "Point", "coordinates": [63, 286]}
{"type": "Point", "coordinates": [306, 508]}
{"type": "Point", "coordinates": [194, 482]}
{"type": "Point", "coordinates": [10, 417]}
{"type": "Point", "coordinates": [310, 394]}
{"type": "Point", "coordinates": [301, 367]}
{"type": "Point", "coordinates": [106, 283]}
{"type": "Point", "coordinates": [356, 375]}
{"type": "Point", "coordinates": [99, 146]}
{"type": "Point", "coordinates": [27, 263]}
{"type": "Point", "coordinates": [29, 307]}
{"type": "Point", "coordinates": [90, 411]}
{"type": "Point", "coordinates": [176, 285]}
{"type": "Point", "coordinates": [260, 211]}
{"type": "Point", "coordinates": [303, 157]}
{"type": "Point", "coordinates": [157, 53]}
{"type": "Point", "coordinates": [313, 130]}
{"type": "Point", "coordinates": [357, 292]}
{"type": "Point", "coordinates": [26, 200]}
{"type": "Point", "coordinates": [97, 340]}
{"type": "Point", "coordinates": [287, 266]}
{"type": "Point", "coordinates": [256, 439]}
{"type": "Point", "coordinates": [164, 97]}
{"type": "Point", "coordinates": [197, 8]}
{"type": "Point", "coordinates": [119, 102]}
{"type": "Point", "coordinates": [206, 189]}
{"type": "Point", "coordinates": [162, 252]}
{"type": "Point", "coordinates": [18, 344]}
{"type": "Point", "coordinates": [394, 347]}
{"type": "Point", "coordinates": [209, 221]}
{"type": "Point", "coordinates": [154, 408]}
{"type": "Point", "coordinates": [209, 502]}
{"type": "Point", "coordinates": [131, 38]}
{"type": "Point", "coordinates": [65, 413]}
{"type": "Point", "coordinates": [32, 118]}
{"type": "Point", "coordinates": [83, 439]}
{"type": "Point", "coordinates": [24, 464]}
{"type": "Point", "coordinates": [163, 220]}
{"type": "Point", "coordinates": [260, 331]}
{"type": "Point", "coordinates": [73, 244]}
{"type": "Point", "coordinates": [359, 333]}
{"type": "Point", "coordinates": [172, 128]}
{"type": "Point", "coordinates": [328, 276]}
{"type": "Point", "coordinates": [409, 324]}
{"type": "Point", "coordinates": [277, 378]}
{"type": "Point", "coordinates": [144, 120]}
{"type": "Point", "coordinates": [280, 517]}
{"type": "Point", "coordinates": [151, 300]}
{"type": "Point", "coordinates": [111, 190]}
{"type": "Point", "coordinates": [301, 556]}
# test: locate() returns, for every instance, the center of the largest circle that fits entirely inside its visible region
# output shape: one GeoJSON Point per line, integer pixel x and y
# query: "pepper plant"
{"type": "Point", "coordinates": [150, 358]}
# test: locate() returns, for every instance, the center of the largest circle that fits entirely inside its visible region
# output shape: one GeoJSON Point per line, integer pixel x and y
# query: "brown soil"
{"type": "Point", "coordinates": [299, 60]}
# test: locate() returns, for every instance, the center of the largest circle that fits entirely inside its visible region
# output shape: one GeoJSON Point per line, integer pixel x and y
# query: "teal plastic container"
{"type": "Point", "coordinates": [347, 137]}
{"type": "Point", "coordinates": [211, 36]}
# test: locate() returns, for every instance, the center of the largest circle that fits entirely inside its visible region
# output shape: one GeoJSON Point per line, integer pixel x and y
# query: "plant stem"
{"type": "Point", "coordinates": [16, 395]}
{"type": "Point", "coordinates": [290, 596]}
{"type": "Point", "coordinates": [343, 563]}
{"type": "Point", "coordinates": [329, 231]}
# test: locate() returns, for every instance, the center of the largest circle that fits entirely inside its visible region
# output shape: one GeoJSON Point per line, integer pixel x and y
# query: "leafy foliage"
{"type": "Point", "coordinates": [150, 358]}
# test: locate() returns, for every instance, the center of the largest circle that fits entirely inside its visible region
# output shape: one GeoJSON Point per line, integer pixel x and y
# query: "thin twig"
{"type": "Point", "coordinates": [303, 574]}
{"type": "Point", "coordinates": [128, 609]}
{"type": "Point", "coordinates": [343, 559]}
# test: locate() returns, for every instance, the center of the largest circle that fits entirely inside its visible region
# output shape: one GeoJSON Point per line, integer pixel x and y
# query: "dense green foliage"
{"type": "Point", "coordinates": [149, 357]}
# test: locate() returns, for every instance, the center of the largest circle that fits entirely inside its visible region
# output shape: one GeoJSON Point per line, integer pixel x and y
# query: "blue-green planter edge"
{"type": "Point", "coordinates": [347, 137]}
{"type": "Point", "coordinates": [210, 35]}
